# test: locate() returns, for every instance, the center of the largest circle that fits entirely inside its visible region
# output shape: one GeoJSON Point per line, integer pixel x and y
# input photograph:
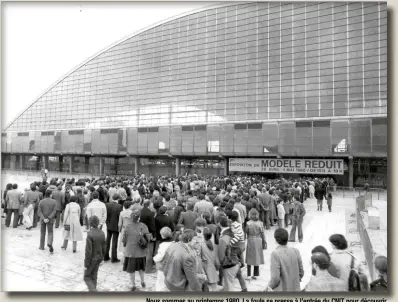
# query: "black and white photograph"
{"type": "Point", "coordinates": [194, 147]}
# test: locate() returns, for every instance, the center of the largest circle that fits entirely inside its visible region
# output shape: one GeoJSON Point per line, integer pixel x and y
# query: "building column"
{"type": "Point", "coordinates": [136, 165]}
{"type": "Point", "coordinates": [178, 166]}
{"type": "Point", "coordinates": [86, 164]}
{"type": "Point", "coordinates": [60, 163]}
{"type": "Point", "coordinates": [21, 161]}
{"type": "Point", "coordinates": [225, 166]}
{"type": "Point", "coordinates": [350, 172]}
{"type": "Point", "coordinates": [13, 162]}
{"type": "Point", "coordinates": [71, 159]}
{"type": "Point", "coordinates": [38, 163]}
{"type": "Point", "coordinates": [116, 165]}
{"type": "Point", "coordinates": [101, 166]}
{"type": "Point", "coordinates": [45, 162]}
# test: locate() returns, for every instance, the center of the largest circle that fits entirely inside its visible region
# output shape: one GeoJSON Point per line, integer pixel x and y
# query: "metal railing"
{"type": "Point", "coordinates": [347, 192]}
{"type": "Point", "coordinates": [363, 234]}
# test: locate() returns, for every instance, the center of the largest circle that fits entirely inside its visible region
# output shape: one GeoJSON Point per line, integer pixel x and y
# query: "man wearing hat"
{"type": "Point", "coordinates": [322, 281]}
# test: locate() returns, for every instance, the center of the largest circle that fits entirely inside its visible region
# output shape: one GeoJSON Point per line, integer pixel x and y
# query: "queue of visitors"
{"type": "Point", "coordinates": [196, 233]}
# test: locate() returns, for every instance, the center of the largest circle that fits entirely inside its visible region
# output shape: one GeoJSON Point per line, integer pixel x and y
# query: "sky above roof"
{"type": "Point", "coordinates": [44, 41]}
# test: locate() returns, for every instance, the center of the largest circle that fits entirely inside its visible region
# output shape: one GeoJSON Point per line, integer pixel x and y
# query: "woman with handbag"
{"type": "Point", "coordinates": [256, 243]}
{"type": "Point", "coordinates": [159, 258]}
{"type": "Point", "coordinates": [72, 228]}
{"type": "Point", "coordinates": [135, 241]}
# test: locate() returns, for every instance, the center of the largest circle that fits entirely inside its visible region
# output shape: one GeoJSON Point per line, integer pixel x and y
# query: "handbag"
{"type": "Point", "coordinates": [67, 227]}
{"type": "Point", "coordinates": [142, 242]}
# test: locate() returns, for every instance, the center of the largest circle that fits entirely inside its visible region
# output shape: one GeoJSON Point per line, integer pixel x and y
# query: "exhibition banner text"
{"type": "Point", "coordinates": [287, 165]}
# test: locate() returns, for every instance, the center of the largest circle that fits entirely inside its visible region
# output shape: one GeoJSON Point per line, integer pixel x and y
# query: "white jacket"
{"type": "Point", "coordinates": [98, 209]}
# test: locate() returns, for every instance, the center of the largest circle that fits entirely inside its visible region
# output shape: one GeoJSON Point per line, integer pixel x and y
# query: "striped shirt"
{"type": "Point", "coordinates": [237, 230]}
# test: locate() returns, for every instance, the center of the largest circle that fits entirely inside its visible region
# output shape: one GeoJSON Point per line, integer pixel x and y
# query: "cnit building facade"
{"type": "Point", "coordinates": [239, 80]}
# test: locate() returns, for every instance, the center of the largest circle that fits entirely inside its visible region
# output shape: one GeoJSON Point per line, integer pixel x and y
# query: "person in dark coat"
{"type": "Point", "coordinates": [188, 218]}
{"type": "Point", "coordinates": [320, 193]}
{"type": "Point", "coordinates": [47, 211]}
{"type": "Point", "coordinates": [95, 251]}
{"type": "Point", "coordinates": [59, 197]}
{"type": "Point", "coordinates": [161, 221]}
{"type": "Point", "coordinates": [113, 209]}
{"type": "Point", "coordinates": [148, 218]}
{"type": "Point", "coordinates": [178, 210]}
{"type": "Point", "coordinates": [381, 265]}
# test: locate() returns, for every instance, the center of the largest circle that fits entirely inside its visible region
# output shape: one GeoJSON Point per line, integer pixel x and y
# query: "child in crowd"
{"type": "Point", "coordinates": [239, 236]}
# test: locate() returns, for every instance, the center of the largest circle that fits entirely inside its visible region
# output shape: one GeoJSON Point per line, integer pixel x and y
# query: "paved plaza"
{"type": "Point", "coordinates": [23, 262]}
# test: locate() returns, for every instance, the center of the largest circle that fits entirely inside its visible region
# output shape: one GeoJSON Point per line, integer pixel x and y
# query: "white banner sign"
{"type": "Point", "coordinates": [296, 166]}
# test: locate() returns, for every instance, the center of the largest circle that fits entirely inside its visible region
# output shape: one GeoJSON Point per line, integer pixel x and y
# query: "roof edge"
{"type": "Point", "coordinates": [191, 12]}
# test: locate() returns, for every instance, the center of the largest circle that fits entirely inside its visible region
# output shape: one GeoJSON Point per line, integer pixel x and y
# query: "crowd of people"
{"type": "Point", "coordinates": [195, 233]}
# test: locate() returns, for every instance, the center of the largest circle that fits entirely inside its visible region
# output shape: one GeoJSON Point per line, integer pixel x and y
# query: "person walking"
{"type": "Point", "coordinates": [166, 241]}
{"type": "Point", "coordinates": [256, 243]}
{"type": "Point", "coordinates": [228, 256]}
{"type": "Point", "coordinates": [72, 227]}
{"type": "Point", "coordinates": [135, 235]}
{"type": "Point", "coordinates": [297, 220]}
{"type": "Point", "coordinates": [112, 227]}
{"type": "Point", "coordinates": [97, 208]}
{"type": "Point", "coordinates": [286, 265]}
{"type": "Point", "coordinates": [319, 195]}
{"type": "Point", "coordinates": [46, 212]}
{"type": "Point", "coordinates": [322, 281]}
{"type": "Point", "coordinates": [59, 197]}
{"type": "Point", "coordinates": [14, 200]}
{"type": "Point", "coordinates": [94, 254]}
{"type": "Point", "coordinates": [180, 272]}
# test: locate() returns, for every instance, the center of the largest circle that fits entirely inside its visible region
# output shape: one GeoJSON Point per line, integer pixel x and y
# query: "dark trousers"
{"type": "Point", "coordinates": [57, 218]}
{"type": "Point", "coordinates": [266, 219]}
{"type": "Point", "coordinates": [296, 223]}
{"type": "Point", "coordinates": [256, 272]}
{"type": "Point", "coordinates": [330, 207]}
{"type": "Point", "coordinates": [35, 217]}
{"type": "Point", "coordinates": [319, 204]}
{"type": "Point", "coordinates": [91, 274]}
{"type": "Point", "coordinates": [287, 219]}
{"type": "Point", "coordinates": [50, 229]}
{"type": "Point", "coordinates": [16, 217]}
{"type": "Point", "coordinates": [111, 235]}
{"type": "Point", "coordinates": [149, 257]}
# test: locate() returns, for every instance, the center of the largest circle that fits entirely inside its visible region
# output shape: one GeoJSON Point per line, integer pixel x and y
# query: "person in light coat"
{"type": "Point", "coordinates": [167, 240]}
{"type": "Point", "coordinates": [255, 243]}
{"type": "Point", "coordinates": [124, 221]}
{"type": "Point", "coordinates": [72, 218]}
{"type": "Point", "coordinates": [28, 212]}
{"type": "Point", "coordinates": [97, 208]}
